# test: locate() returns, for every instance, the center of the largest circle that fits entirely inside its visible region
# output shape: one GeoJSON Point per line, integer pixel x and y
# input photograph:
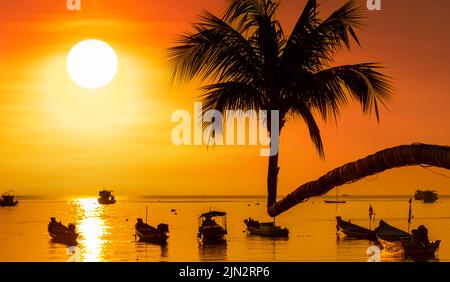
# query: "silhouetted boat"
{"type": "Point", "coordinates": [389, 236]}
{"type": "Point", "coordinates": [337, 201]}
{"type": "Point", "coordinates": [426, 196]}
{"type": "Point", "coordinates": [147, 233]}
{"type": "Point", "coordinates": [419, 250]}
{"type": "Point", "coordinates": [209, 231]}
{"type": "Point", "coordinates": [106, 197]}
{"type": "Point", "coordinates": [8, 200]}
{"type": "Point", "coordinates": [430, 197]}
{"type": "Point", "coordinates": [267, 229]}
{"type": "Point", "coordinates": [419, 246]}
{"type": "Point", "coordinates": [354, 231]}
{"type": "Point", "coordinates": [61, 233]}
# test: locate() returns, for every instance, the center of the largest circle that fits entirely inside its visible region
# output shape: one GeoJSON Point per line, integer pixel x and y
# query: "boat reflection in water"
{"type": "Point", "coordinates": [217, 252]}
{"type": "Point", "coordinates": [92, 229]}
{"type": "Point", "coordinates": [151, 252]}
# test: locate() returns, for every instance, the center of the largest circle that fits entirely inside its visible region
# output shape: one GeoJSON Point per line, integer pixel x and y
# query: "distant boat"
{"type": "Point", "coordinates": [8, 200]}
{"type": "Point", "coordinates": [337, 201]}
{"type": "Point", "coordinates": [150, 234]}
{"type": "Point", "coordinates": [267, 229]}
{"type": "Point", "coordinates": [426, 196]}
{"type": "Point", "coordinates": [390, 237]}
{"type": "Point", "coordinates": [354, 231]}
{"type": "Point", "coordinates": [106, 197]}
{"type": "Point", "coordinates": [209, 231]}
{"type": "Point", "coordinates": [61, 233]}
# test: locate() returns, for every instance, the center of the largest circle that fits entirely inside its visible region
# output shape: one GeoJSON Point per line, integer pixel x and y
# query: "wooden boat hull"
{"type": "Point", "coordinates": [274, 233]}
{"type": "Point", "coordinates": [414, 249]}
{"type": "Point", "coordinates": [5, 204]}
{"type": "Point", "coordinates": [268, 229]}
{"type": "Point", "coordinates": [154, 238]}
{"type": "Point", "coordinates": [354, 231]}
{"type": "Point", "coordinates": [106, 202]}
{"type": "Point", "coordinates": [335, 202]}
{"type": "Point", "coordinates": [66, 239]}
{"type": "Point", "coordinates": [389, 236]}
{"type": "Point", "coordinates": [212, 235]}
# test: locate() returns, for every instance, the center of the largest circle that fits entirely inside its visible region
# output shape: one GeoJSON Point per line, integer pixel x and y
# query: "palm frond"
{"type": "Point", "coordinates": [313, 43]}
{"type": "Point", "coordinates": [215, 51]}
{"type": "Point", "coordinates": [299, 108]}
{"type": "Point", "coordinates": [362, 81]}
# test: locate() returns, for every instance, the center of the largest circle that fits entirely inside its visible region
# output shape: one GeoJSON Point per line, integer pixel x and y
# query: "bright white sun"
{"type": "Point", "coordinates": [92, 64]}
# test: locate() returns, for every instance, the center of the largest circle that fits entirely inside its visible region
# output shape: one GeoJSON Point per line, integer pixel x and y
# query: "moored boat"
{"type": "Point", "coordinates": [106, 197]}
{"type": "Point", "coordinates": [419, 250]}
{"type": "Point", "coordinates": [428, 196]}
{"type": "Point", "coordinates": [267, 229]}
{"type": "Point", "coordinates": [389, 236]}
{"type": "Point", "coordinates": [62, 234]}
{"type": "Point", "coordinates": [418, 246]}
{"type": "Point", "coordinates": [209, 231]}
{"type": "Point", "coordinates": [354, 231]}
{"type": "Point", "coordinates": [337, 201]}
{"type": "Point", "coordinates": [8, 200]}
{"type": "Point", "coordinates": [334, 202]}
{"type": "Point", "coordinates": [150, 234]}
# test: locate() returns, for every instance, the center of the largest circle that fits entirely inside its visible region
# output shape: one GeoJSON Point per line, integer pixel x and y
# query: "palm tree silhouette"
{"type": "Point", "coordinates": [250, 63]}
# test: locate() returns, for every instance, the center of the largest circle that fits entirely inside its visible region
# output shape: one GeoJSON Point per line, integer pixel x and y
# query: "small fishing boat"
{"type": "Point", "coordinates": [209, 231]}
{"type": "Point", "coordinates": [354, 231]}
{"type": "Point", "coordinates": [106, 197]}
{"type": "Point", "coordinates": [419, 246]}
{"type": "Point", "coordinates": [62, 234]}
{"type": "Point", "coordinates": [334, 202]}
{"type": "Point", "coordinates": [419, 250]}
{"type": "Point", "coordinates": [427, 196]}
{"type": "Point", "coordinates": [8, 200]}
{"type": "Point", "coordinates": [337, 201]}
{"type": "Point", "coordinates": [150, 234]}
{"type": "Point", "coordinates": [389, 236]}
{"type": "Point", "coordinates": [267, 229]}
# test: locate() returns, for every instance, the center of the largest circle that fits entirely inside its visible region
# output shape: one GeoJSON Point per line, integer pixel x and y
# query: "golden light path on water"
{"type": "Point", "coordinates": [92, 229]}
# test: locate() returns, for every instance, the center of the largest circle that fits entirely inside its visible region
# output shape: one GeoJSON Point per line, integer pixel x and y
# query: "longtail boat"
{"type": "Point", "coordinates": [61, 233]}
{"type": "Point", "coordinates": [354, 231]}
{"type": "Point", "coordinates": [267, 229]}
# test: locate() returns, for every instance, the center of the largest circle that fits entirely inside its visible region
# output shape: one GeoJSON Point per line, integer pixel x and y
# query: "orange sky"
{"type": "Point", "coordinates": [56, 138]}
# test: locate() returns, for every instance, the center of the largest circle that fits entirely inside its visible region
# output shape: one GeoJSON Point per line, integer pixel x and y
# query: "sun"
{"type": "Point", "coordinates": [92, 64]}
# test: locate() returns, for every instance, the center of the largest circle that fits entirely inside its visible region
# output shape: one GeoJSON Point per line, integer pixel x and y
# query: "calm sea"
{"type": "Point", "coordinates": [107, 232]}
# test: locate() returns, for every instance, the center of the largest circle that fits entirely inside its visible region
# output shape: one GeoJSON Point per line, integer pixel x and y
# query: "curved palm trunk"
{"type": "Point", "coordinates": [272, 180]}
{"type": "Point", "coordinates": [406, 155]}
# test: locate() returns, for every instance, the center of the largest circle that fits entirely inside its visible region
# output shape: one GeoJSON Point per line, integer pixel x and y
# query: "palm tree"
{"type": "Point", "coordinates": [250, 63]}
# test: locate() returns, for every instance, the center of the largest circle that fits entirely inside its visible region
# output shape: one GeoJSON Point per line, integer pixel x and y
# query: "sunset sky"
{"type": "Point", "coordinates": [57, 138]}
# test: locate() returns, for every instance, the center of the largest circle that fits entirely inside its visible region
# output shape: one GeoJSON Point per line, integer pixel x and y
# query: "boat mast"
{"type": "Point", "coordinates": [409, 214]}
{"type": "Point", "coordinates": [146, 212]}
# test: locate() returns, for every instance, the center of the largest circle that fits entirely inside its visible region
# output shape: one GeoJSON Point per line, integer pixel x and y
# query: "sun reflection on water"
{"type": "Point", "coordinates": [92, 228]}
